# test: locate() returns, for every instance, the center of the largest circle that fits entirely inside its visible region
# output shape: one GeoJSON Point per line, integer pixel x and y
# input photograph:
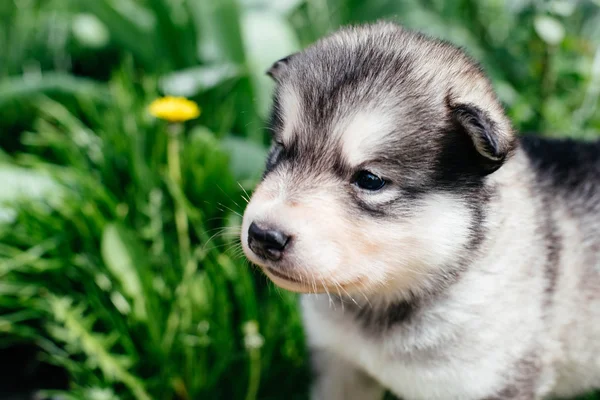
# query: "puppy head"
{"type": "Point", "coordinates": [382, 142]}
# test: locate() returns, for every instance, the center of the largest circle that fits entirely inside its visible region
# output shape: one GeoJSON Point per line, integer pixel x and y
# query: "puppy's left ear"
{"type": "Point", "coordinates": [490, 138]}
{"type": "Point", "coordinates": [277, 70]}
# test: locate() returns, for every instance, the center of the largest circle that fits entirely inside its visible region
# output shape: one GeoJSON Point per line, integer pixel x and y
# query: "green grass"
{"type": "Point", "coordinates": [97, 265]}
{"type": "Point", "coordinates": [96, 272]}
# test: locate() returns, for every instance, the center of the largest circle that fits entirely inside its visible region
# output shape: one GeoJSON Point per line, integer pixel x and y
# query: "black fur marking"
{"type": "Point", "coordinates": [568, 169]}
{"type": "Point", "coordinates": [382, 318]}
{"type": "Point", "coordinates": [347, 75]}
{"type": "Point", "coordinates": [375, 211]}
{"type": "Point", "coordinates": [566, 165]}
{"type": "Point", "coordinates": [565, 168]}
{"type": "Point", "coordinates": [521, 381]}
{"type": "Point", "coordinates": [274, 158]}
{"type": "Point", "coordinates": [275, 121]}
{"type": "Point", "coordinates": [553, 243]}
{"type": "Point", "coordinates": [477, 205]}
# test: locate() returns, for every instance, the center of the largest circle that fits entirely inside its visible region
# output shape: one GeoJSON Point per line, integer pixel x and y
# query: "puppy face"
{"type": "Point", "coordinates": [382, 142]}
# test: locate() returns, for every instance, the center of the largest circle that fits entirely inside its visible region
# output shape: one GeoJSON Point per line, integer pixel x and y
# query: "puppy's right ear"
{"type": "Point", "coordinates": [277, 70]}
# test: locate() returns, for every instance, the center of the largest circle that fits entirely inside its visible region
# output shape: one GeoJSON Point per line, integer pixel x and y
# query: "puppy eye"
{"type": "Point", "coordinates": [368, 181]}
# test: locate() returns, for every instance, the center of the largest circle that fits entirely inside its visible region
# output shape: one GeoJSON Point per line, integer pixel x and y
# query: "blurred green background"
{"type": "Point", "coordinates": [130, 277]}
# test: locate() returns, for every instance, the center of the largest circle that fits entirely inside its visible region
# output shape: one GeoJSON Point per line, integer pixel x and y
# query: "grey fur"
{"type": "Point", "coordinates": [500, 300]}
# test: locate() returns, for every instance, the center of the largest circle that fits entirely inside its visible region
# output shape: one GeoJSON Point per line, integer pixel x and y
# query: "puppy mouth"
{"type": "Point", "coordinates": [296, 284]}
{"type": "Point", "coordinates": [283, 276]}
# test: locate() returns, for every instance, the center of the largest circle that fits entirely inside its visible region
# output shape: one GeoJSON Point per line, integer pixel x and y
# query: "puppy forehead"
{"type": "Point", "coordinates": [364, 134]}
{"type": "Point", "coordinates": [356, 129]}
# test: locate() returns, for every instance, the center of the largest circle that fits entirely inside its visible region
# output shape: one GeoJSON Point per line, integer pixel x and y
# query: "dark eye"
{"type": "Point", "coordinates": [368, 181]}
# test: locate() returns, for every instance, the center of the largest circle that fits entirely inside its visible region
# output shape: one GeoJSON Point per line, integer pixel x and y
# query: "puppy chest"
{"type": "Point", "coordinates": [440, 371]}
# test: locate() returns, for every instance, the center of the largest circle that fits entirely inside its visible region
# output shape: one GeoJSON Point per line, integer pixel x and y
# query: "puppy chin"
{"type": "Point", "coordinates": [305, 284]}
{"type": "Point", "coordinates": [290, 283]}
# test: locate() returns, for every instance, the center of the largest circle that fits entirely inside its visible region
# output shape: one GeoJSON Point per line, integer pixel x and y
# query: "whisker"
{"type": "Point", "coordinates": [222, 246]}
{"type": "Point", "coordinates": [221, 219]}
{"type": "Point", "coordinates": [237, 252]}
{"type": "Point", "coordinates": [247, 198]}
{"type": "Point", "coordinates": [230, 209]}
{"type": "Point", "coordinates": [220, 231]}
{"type": "Point", "coordinates": [367, 299]}
{"type": "Point", "coordinates": [340, 294]}
{"type": "Point", "coordinates": [347, 294]}
{"type": "Point", "coordinates": [309, 274]}
{"type": "Point", "coordinates": [225, 193]}
{"type": "Point", "coordinates": [331, 302]}
{"type": "Point", "coordinates": [226, 246]}
{"type": "Point", "coordinates": [314, 282]}
{"type": "Point", "coordinates": [236, 228]}
{"type": "Point", "coordinates": [237, 247]}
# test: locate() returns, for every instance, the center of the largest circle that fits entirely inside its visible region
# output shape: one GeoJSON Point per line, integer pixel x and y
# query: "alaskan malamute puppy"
{"type": "Point", "coordinates": [441, 256]}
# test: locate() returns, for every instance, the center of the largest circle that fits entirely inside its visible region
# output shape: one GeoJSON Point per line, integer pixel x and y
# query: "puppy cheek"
{"type": "Point", "coordinates": [412, 248]}
{"type": "Point", "coordinates": [361, 257]}
{"type": "Point", "coordinates": [376, 252]}
{"type": "Point", "coordinates": [340, 249]}
{"type": "Point", "coordinates": [441, 230]}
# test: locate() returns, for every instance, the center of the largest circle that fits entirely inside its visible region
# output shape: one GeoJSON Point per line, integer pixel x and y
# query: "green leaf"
{"type": "Point", "coordinates": [193, 81]}
{"type": "Point", "coordinates": [130, 25]}
{"type": "Point", "coordinates": [18, 289]}
{"type": "Point", "coordinates": [119, 256]}
{"type": "Point", "coordinates": [268, 37]}
{"type": "Point", "coordinates": [74, 328]}
{"type": "Point", "coordinates": [21, 88]}
{"type": "Point", "coordinates": [218, 26]}
{"type": "Point", "coordinates": [90, 31]}
{"type": "Point", "coordinates": [563, 8]}
{"type": "Point", "coordinates": [174, 33]}
{"type": "Point", "coordinates": [22, 182]}
{"type": "Point", "coordinates": [284, 7]}
{"type": "Point", "coordinates": [549, 29]}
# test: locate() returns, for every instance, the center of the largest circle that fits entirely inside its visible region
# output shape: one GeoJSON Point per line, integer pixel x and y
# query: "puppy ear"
{"type": "Point", "coordinates": [486, 135]}
{"type": "Point", "coordinates": [278, 69]}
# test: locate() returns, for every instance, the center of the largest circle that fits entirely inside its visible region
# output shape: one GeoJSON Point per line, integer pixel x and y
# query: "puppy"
{"type": "Point", "coordinates": [441, 256]}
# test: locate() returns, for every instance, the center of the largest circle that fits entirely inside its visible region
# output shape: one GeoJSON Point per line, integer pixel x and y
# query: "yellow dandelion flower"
{"type": "Point", "coordinates": [174, 109]}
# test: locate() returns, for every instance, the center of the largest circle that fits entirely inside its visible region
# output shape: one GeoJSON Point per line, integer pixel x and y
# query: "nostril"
{"type": "Point", "coordinates": [268, 242]}
{"type": "Point", "coordinates": [256, 234]}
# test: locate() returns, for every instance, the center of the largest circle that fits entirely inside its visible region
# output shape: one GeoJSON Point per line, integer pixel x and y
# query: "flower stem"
{"type": "Point", "coordinates": [181, 220]}
{"type": "Point", "coordinates": [254, 378]}
{"type": "Point", "coordinates": [253, 342]}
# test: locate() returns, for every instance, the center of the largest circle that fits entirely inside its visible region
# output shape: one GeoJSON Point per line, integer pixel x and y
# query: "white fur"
{"type": "Point", "coordinates": [291, 109]}
{"type": "Point", "coordinates": [364, 133]}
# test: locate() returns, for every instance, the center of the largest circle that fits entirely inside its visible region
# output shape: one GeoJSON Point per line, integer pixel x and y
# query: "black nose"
{"type": "Point", "coordinates": [267, 243]}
